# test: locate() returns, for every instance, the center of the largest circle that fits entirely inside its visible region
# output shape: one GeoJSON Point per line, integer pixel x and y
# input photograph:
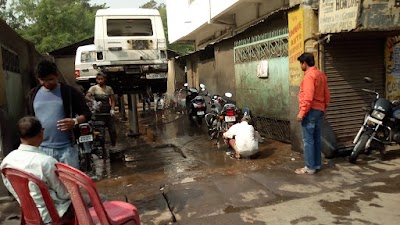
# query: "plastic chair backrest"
{"type": "Point", "coordinates": [73, 179]}
{"type": "Point", "coordinates": [20, 183]}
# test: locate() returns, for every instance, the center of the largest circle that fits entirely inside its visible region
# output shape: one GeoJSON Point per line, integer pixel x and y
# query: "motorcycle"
{"type": "Point", "coordinates": [380, 127]}
{"type": "Point", "coordinates": [212, 118]}
{"type": "Point", "coordinates": [98, 130]}
{"type": "Point", "coordinates": [196, 105]}
{"type": "Point", "coordinates": [84, 143]}
{"type": "Point", "coordinates": [230, 115]}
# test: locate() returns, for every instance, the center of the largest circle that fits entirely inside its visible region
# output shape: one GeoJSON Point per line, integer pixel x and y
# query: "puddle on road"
{"type": "Point", "coordinates": [188, 152]}
{"type": "Point", "coordinates": [142, 159]}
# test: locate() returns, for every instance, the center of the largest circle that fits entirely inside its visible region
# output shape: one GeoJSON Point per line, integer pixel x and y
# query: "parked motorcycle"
{"type": "Point", "coordinates": [213, 117]}
{"type": "Point", "coordinates": [98, 130]}
{"type": "Point", "coordinates": [196, 105]}
{"type": "Point", "coordinates": [230, 115]}
{"type": "Point", "coordinates": [380, 127]}
{"type": "Point", "coordinates": [84, 143]}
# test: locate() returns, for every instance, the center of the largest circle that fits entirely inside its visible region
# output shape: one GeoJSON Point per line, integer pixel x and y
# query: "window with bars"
{"type": "Point", "coordinates": [274, 48]}
{"type": "Point", "coordinates": [10, 60]}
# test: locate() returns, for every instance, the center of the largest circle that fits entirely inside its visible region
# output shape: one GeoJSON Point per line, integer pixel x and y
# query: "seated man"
{"type": "Point", "coordinates": [29, 158]}
{"type": "Point", "coordinates": [243, 138]}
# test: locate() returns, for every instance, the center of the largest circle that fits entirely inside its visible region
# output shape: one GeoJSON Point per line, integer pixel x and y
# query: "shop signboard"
{"type": "Point", "coordinates": [338, 15]}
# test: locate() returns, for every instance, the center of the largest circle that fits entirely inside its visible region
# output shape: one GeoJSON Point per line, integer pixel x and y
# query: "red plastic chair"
{"type": "Point", "coordinates": [29, 213]}
{"type": "Point", "coordinates": [104, 213]}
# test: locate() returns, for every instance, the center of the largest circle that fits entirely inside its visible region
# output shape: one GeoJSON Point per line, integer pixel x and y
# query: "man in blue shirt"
{"type": "Point", "coordinates": [60, 108]}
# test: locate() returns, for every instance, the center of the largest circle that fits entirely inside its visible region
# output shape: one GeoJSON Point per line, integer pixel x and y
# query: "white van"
{"type": "Point", "coordinates": [131, 42]}
{"type": "Point", "coordinates": [85, 57]}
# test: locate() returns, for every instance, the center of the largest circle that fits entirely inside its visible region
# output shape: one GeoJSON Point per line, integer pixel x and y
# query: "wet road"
{"type": "Point", "coordinates": [172, 151]}
{"type": "Point", "coordinates": [173, 172]}
{"type": "Point", "coordinates": [201, 183]}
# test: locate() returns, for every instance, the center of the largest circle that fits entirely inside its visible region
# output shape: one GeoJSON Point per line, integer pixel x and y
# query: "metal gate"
{"type": "Point", "coordinates": [346, 63]}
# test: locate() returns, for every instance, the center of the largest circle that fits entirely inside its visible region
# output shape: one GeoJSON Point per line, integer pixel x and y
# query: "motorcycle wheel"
{"type": "Point", "coordinates": [85, 161]}
{"type": "Point", "coordinates": [359, 147]}
{"type": "Point", "coordinates": [199, 120]}
{"type": "Point", "coordinates": [190, 118]}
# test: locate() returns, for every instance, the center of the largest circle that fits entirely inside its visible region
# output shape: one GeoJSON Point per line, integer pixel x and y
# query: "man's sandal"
{"type": "Point", "coordinates": [304, 170]}
{"type": "Point", "coordinates": [233, 156]}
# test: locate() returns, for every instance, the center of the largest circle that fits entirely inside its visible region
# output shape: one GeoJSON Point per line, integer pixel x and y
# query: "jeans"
{"type": "Point", "coordinates": [110, 124]}
{"type": "Point", "coordinates": [148, 101]}
{"type": "Point", "coordinates": [311, 126]}
{"type": "Point", "coordinates": [68, 155]}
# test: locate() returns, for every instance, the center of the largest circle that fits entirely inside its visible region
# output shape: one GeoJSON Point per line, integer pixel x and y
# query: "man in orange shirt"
{"type": "Point", "coordinates": [314, 99]}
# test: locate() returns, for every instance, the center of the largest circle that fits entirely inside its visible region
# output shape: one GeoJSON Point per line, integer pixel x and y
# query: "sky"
{"type": "Point", "coordinates": [124, 3]}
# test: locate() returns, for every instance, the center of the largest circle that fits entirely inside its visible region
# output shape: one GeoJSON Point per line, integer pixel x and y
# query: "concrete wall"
{"type": "Point", "coordinates": [176, 76]}
{"type": "Point", "coordinates": [218, 74]}
{"type": "Point", "coordinates": [171, 78]}
{"type": "Point", "coordinates": [266, 97]}
{"type": "Point", "coordinates": [380, 15]}
{"type": "Point", "coordinates": [208, 76]}
{"type": "Point", "coordinates": [14, 86]}
{"type": "Point", "coordinates": [225, 68]}
{"type": "Point", "coordinates": [192, 62]}
{"type": "Point", "coordinates": [180, 75]}
{"type": "Point", "coordinates": [28, 57]}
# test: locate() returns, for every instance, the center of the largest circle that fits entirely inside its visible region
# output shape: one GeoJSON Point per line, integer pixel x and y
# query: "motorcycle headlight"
{"type": "Point", "coordinates": [378, 115]}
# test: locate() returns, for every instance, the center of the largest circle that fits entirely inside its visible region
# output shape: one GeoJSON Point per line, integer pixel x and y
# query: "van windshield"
{"type": "Point", "coordinates": [129, 27]}
{"type": "Point", "coordinates": [88, 57]}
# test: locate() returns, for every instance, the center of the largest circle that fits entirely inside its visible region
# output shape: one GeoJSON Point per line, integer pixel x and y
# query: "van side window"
{"type": "Point", "coordinates": [88, 56]}
{"type": "Point", "coordinates": [129, 27]}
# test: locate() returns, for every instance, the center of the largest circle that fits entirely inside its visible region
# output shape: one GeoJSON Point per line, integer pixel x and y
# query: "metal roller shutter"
{"type": "Point", "coordinates": [346, 63]}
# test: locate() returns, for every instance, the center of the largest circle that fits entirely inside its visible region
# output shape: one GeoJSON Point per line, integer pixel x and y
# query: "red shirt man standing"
{"type": "Point", "coordinates": [314, 98]}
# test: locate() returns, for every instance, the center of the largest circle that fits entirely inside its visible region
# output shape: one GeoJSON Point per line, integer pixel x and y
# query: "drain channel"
{"type": "Point", "coordinates": [162, 188]}
{"type": "Point", "coordinates": [176, 148]}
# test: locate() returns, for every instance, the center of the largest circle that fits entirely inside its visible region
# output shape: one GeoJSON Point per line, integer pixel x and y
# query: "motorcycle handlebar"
{"type": "Point", "coordinates": [372, 92]}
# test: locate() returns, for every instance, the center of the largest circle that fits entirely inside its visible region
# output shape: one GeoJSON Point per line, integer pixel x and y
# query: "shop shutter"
{"type": "Point", "coordinates": [346, 62]}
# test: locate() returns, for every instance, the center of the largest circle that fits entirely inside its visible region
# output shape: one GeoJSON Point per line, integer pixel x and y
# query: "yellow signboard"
{"type": "Point", "coordinates": [296, 45]}
{"type": "Point", "coordinates": [392, 58]}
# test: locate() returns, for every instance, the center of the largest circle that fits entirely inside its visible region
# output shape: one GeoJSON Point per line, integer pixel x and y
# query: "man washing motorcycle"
{"type": "Point", "coordinates": [243, 138]}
